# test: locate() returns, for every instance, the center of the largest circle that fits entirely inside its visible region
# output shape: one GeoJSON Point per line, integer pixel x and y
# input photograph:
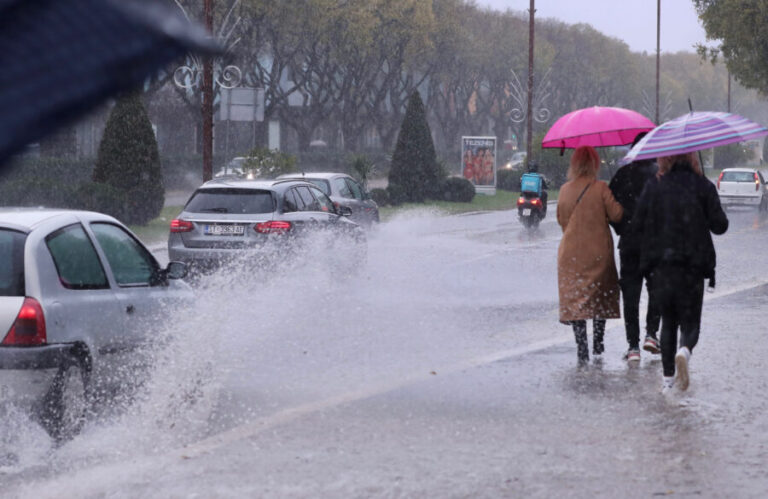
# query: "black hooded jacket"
{"type": "Point", "coordinates": [627, 185]}
{"type": "Point", "coordinates": [674, 217]}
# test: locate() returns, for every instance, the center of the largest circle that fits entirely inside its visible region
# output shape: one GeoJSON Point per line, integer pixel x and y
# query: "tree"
{"type": "Point", "coordinates": [415, 174]}
{"type": "Point", "coordinates": [264, 163]}
{"type": "Point", "coordinates": [128, 160]}
{"type": "Point", "coordinates": [740, 27]}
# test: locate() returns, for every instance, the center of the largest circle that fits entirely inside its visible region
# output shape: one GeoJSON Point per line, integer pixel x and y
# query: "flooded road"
{"type": "Point", "coordinates": [438, 370]}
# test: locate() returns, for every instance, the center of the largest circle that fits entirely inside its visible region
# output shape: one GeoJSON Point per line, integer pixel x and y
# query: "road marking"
{"type": "Point", "coordinates": [248, 430]}
{"type": "Point", "coordinates": [290, 414]}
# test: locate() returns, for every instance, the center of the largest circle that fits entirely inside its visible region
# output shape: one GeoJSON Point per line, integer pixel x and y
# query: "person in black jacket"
{"type": "Point", "coordinates": [675, 215]}
{"type": "Point", "coordinates": [627, 185]}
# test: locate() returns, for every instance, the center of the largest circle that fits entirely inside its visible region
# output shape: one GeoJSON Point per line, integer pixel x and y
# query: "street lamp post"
{"type": "Point", "coordinates": [189, 75]}
{"type": "Point", "coordinates": [529, 119]}
{"type": "Point", "coordinates": [207, 108]}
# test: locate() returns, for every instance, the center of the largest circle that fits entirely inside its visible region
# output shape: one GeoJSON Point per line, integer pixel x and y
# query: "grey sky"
{"type": "Point", "coordinates": [633, 21]}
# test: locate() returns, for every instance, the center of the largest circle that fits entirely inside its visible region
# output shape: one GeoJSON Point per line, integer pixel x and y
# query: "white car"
{"type": "Point", "coordinates": [516, 162]}
{"type": "Point", "coordinates": [233, 168]}
{"type": "Point", "coordinates": [742, 187]}
{"type": "Point", "coordinates": [78, 294]}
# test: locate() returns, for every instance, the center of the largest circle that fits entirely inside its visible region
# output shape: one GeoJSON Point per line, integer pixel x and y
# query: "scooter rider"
{"type": "Point", "coordinates": [533, 169]}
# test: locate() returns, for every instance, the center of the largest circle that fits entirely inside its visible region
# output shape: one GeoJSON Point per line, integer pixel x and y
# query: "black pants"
{"type": "Point", "coordinates": [580, 333]}
{"type": "Point", "coordinates": [631, 283]}
{"type": "Point", "coordinates": [679, 292]}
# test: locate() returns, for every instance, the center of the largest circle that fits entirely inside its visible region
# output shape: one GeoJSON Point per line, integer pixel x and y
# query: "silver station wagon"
{"type": "Point", "coordinates": [78, 294]}
{"type": "Point", "coordinates": [227, 219]}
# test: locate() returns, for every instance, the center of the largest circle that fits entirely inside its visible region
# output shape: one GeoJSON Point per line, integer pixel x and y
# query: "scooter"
{"type": "Point", "coordinates": [530, 209]}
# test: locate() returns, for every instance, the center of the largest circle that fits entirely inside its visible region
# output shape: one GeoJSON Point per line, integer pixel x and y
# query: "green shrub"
{"type": "Point", "coordinates": [457, 190]}
{"type": "Point", "coordinates": [64, 170]}
{"type": "Point", "coordinates": [508, 180]}
{"type": "Point", "coordinates": [36, 191]}
{"type": "Point", "coordinates": [362, 168]}
{"type": "Point", "coordinates": [396, 194]}
{"type": "Point", "coordinates": [380, 196]}
{"type": "Point", "coordinates": [128, 160]}
{"type": "Point", "coordinates": [103, 198]}
{"type": "Point", "coordinates": [414, 173]}
{"type": "Point", "coordinates": [266, 163]}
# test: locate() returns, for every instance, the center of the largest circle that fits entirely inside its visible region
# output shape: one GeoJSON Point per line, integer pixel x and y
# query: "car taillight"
{"type": "Point", "coordinates": [757, 182]}
{"type": "Point", "coordinates": [719, 178]}
{"type": "Point", "coordinates": [520, 200]}
{"type": "Point", "coordinates": [178, 225]}
{"type": "Point", "coordinates": [273, 227]}
{"type": "Point", "coordinates": [29, 327]}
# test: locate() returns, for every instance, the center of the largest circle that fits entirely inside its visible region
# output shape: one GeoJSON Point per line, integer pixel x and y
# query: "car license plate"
{"type": "Point", "coordinates": [526, 212]}
{"type": "Point", "coordinates": [224, 230]}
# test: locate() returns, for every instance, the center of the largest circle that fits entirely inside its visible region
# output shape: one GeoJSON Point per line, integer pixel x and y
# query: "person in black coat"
{"type": "Point", "coordinates": [675, 216]}
{"type": "Point", "coordinates": [627, 185]}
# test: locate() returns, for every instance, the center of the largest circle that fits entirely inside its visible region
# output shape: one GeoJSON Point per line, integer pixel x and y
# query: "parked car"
{"type": "Point", "coordinates": [226, 219]}
{"type": "Point", "coordinates": [78, 294]}
{"type": "Point", "coordinates": [742, 187]}
{"type": "Point", "coordinates": [344, 191]}
{"type": "Point", "coordinates": [233, 168]}
{"type": "Point", "coordinates": [516, 161]}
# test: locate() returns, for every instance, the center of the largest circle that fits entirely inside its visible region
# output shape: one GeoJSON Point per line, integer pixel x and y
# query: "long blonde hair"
{"type": "Point", "coordinates": [689, 158]}
{"type": "Point", "coordinates": [584, 163]}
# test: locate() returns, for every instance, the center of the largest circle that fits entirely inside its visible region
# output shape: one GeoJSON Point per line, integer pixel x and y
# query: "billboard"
{"type": "Point", "coordinates": [478, 160]}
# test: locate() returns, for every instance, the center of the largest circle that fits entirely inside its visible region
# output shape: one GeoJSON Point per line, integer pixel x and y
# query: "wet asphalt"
{"type": "Point", "coordinates": [536, 425]}
{"type": "Point", "coordinates": [338, 412]}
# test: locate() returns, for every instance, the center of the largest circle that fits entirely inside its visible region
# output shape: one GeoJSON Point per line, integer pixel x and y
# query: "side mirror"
{"type": "Point", "coordinates": [344, 211]}
{"type": "Point", "coordinates": [176, 270]}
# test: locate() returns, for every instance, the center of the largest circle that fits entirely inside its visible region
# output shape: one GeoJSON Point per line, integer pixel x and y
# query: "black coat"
{"type": "Point", "coordinates": [674, 217]}
{"type": "Point", "coordinates": [627, 185]}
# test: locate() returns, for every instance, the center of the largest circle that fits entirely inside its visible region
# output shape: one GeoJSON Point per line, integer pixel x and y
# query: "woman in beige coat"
{"type": "Point", "coordinates": [586, 271]}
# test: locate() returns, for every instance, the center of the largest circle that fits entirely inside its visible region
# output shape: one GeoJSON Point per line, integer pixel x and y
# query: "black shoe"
{"type": "Point", "coordinates": [598, 347]}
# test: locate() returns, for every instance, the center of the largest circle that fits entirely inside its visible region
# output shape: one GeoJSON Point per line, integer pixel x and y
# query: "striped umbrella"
{"type": "Point", "coordinates": [693, 132]}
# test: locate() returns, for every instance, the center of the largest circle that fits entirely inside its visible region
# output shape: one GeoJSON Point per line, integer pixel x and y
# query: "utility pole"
{"type": "Point", "coordinates": [658, 55]}
{"type": "Point", "coordinates": [529, 119]}
{"type": "Point", "coordinates": [208, 99]}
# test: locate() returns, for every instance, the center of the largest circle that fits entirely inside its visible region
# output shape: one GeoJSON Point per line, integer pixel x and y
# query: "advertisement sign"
{"type": "Point", "coordinates": [478, 160]}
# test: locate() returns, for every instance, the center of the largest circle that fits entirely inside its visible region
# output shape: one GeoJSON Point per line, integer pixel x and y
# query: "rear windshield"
{"type": "Point", "coordinates": [738, 177]}
{"type": "Point", "coordinates": [238, 201]}
{"type": "Point", "coordinates": [12, 262]}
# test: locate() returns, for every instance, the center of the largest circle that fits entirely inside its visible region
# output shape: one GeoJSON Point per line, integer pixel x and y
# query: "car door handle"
{"type": "Point", "coordinates": [129, 309]}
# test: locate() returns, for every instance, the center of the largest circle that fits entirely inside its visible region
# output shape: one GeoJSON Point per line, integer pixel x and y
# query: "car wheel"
{"type": "Point", "coordinates": [64, 407]}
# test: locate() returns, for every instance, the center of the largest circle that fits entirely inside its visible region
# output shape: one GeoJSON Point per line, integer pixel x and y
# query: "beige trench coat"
{"type": "Point", "coordinates": [586, 270]}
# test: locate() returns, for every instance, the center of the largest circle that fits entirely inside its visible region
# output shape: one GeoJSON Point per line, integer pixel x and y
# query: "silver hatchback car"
{"type": "Point", "coordinates": [78, 294]}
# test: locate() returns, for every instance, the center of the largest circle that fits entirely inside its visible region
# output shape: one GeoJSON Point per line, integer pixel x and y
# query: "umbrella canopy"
{"type": "Point", "coordinates": [60, 58]}
{"type": "Point", "coordinates": [693, 132]}
{"type": "Point", "coordinates": [597, 127]}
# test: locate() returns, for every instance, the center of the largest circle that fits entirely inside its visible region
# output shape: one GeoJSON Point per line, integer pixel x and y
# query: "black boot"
{"type": "Point", "coordinates": [582, 346]}
{"type": "Point", "coordinates": [598, 347]}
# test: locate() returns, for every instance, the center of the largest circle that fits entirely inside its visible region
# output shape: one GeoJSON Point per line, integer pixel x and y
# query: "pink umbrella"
{"type": "Point", "coordinates": [598, 127]}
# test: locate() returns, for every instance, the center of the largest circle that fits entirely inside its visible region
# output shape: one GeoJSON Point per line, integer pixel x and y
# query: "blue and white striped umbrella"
{"type": "Point", "coordinates": [693, 132]}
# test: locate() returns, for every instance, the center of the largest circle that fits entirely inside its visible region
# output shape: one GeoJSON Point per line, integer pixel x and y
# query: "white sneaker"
{"type": "Point", "coordinates": [681, 367]}
{"type": "Point", "coordinates": [667, 384]}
